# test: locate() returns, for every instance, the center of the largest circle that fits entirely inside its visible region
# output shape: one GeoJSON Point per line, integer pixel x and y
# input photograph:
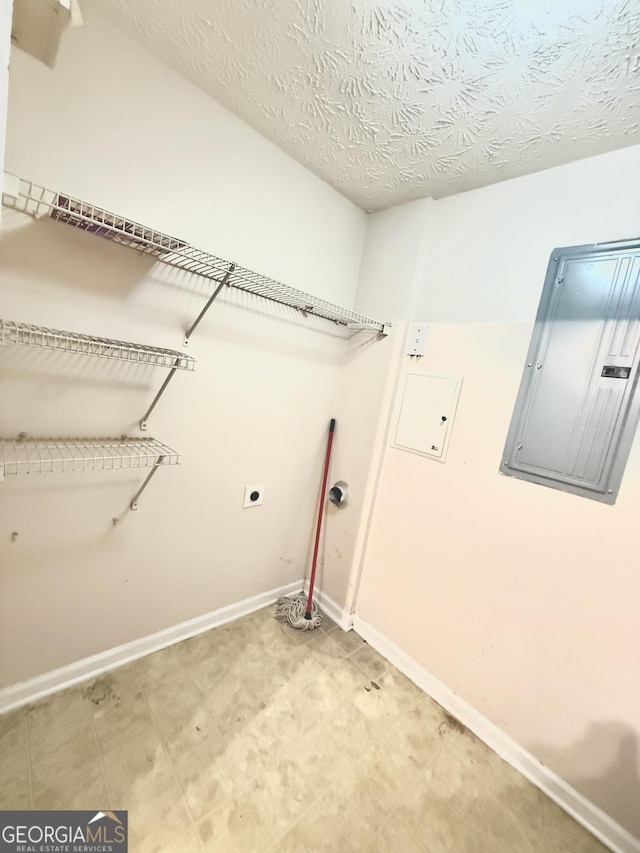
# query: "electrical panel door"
{"type": "Point", "coordinates": [577, 411]}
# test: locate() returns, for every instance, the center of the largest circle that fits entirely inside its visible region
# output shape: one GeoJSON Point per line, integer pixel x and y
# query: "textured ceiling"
{"type": "Point", "coordinates": [392, 101]}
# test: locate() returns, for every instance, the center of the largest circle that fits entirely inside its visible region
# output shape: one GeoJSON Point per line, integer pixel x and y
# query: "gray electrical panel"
{"type": "Point", "coordinates": [577, 408]}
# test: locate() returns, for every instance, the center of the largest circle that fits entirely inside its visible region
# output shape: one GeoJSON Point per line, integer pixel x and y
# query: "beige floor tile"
{"type": "Point", "coordinates": [298, 667]}
{"type": "Point", "coordinates": [58, 719]}
{"type": "Point", "coordinates": [431, 821]}
{"type": "Point", "coordinates": [139, 772]}
{"type": "Point", "coordinates": [260, 626]}
{"type": "Point", "coordinates": [315, 832]}
{"type": "Point", "coordinates": [417, 736]}
{"type": "Point", "coordinates": [14, 788]}
{"type": "Point", "coordinates": [381, 703]}
{"type": "Point", "coordinates": [546, 825]}
{"type": "Point", "coordinates": [319, 756]}
{"type": "Point", "coordinates": [13, 731]}
{"type": "Point", "coordinates": [282, 677]}
{"type": "Point", "coordinates": [255, 748]}
{"type": "Point", "coordinates": [348, 678]}
{"type": "Point", "coordinates": [14, 761]}
{"type": "Point", "coordinates": [118, 706]}
{"type": "Point", "coordinates": [259, 617]}
{"type": "Point", "coordinates": [191, 729]}
{"type": "Point", "coordinates": [327, 624]}
{"type": "Point", "coordinates": [347, 640]}
{"type": "Point", "coordinates": [368, 659]}
{"type": "Point", "coordinates": [400, 687]}
{"type": "Point", "coordinates": [472, 842]}
{"type": "Point", "coordinates": [251, 658]}
{"type": "Point", "coordinates": [236, 826]}
{"type": "Point", "coordinates": [164, 830]}
{"type": "Point", "coordinates": [276, 639]}
{"type": "Point", "coordinates": [389, 771]}
{"type": "Point", "coordinates": [65, 764]}
{"type": "Point", "coordinates": [78, 749]}
{"type": "Point", "coordinates": [66, 771]}
{"type": "Point", "coordinates": [194, 649]}
{"type": "Point", "coordinates": [175, 706]}
{"type": "Point", "coordinates": [430, 709]}
{"type": "Point", "coordinates": [355, 734]}
{"type": "Point", "coordinates": [355, 808]}
{"type": "Point", "coordinates": [159, 667]}
{"type": "Point", "coordinates": [394, 837]}
{"type": "Point", "coordinates": [494, 828]}
{"type": "Point", "coordinates": [456, 782]}
{"type": "Point", "coordinates": [283, 792]}
{"type": "Point", "coordinates": [526, 802]}
{"type": "Point", "coordinates": [470, 750]}
{"type": "Point", "coordinates": [563, 835]}
{"type": "Point", "coordinates": [323, 698]}
{"type": "Point", "coordinates": [210, 645]}
{"type": "Point", "coordinates": [207, 775]}
{"type": "Point", "coordinates": [70, 788]}
{"type": "Point", "coordinates": [266, 685]}
{"type": "Point", "coordinates": [324, 650]}
{"type": "Point", "coordinates": [291, 717]}
{"type": "Point", "coordinates": [230, 705]}
{"type": "Point", "coordinates": [208, 673]}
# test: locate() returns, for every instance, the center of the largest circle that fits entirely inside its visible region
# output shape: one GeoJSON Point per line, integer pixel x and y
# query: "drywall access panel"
{"type": "Point", "coordinates": [426, 414]}
{"type": "Point", "coordinates": [577, 409]}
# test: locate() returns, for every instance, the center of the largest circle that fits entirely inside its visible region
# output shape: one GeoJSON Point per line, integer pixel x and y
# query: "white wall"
{"type": "Point", "coordinates": [114, 126]}
{"type": "Point", "coordinates": [5, 49]}
{"type": "Point", "coordinates": [521, 599]}
{"type": "Point", "coordinates": [394, 243]}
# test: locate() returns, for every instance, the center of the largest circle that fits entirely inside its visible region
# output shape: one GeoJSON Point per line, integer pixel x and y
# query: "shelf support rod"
{"type": "Point", "coordinates": [134, 503]}
{"type": "Point", "coordinates": [145, 417]}
{"type": "Point", "coordinates": [224, 281]}
{"type": "Point", "coordinates": [133, 506]}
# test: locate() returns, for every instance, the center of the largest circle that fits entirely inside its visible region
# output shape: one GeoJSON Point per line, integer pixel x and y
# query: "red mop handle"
{"type": "Point", "coordinates": [327, 458]}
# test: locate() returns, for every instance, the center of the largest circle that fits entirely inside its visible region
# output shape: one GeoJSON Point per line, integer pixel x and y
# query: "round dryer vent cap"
{"type": "Point", "coordinates": [339, 493]}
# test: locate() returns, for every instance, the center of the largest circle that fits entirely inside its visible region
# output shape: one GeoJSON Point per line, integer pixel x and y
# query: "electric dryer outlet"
{"type": "Point", "coordinates": [253, 496]}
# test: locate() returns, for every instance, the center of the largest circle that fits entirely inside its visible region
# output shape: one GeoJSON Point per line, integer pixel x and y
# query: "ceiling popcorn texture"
{"type": "Point", "coordinates": [393, 101]}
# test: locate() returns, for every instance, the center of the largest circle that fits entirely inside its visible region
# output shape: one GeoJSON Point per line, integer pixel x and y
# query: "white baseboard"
{"type": "Point", "coordinates": [42, 685]}
{"type": "Point", "coordinates": [331, 608]}
{"type": "Point", "coordinates": [585, 812]}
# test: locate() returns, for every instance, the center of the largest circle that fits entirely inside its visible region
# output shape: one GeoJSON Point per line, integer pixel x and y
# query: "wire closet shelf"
{"type": "Point", "coordinates": [73, 455]}
{"type": "Point", "coordinates": [39, 201]}
{"type": "Point", "coordinates": [55, 339]}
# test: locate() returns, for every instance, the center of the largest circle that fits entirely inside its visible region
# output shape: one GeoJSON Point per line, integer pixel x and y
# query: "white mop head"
{"type": "Point", "coordinates": [293, 609]}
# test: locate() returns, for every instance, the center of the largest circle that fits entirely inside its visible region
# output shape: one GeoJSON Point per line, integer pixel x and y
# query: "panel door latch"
{"type": "Point", "coordinates": [612, 371]}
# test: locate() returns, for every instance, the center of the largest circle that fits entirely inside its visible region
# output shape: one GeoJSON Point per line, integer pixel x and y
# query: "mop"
{"type": "Point", "coordinates": [299, 610]}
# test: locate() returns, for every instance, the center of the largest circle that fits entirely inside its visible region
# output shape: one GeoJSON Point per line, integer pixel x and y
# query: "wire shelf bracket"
{"type": "Point", "coordinates": [24, 334]}
{"type": "Point", "coordinates": [221, 284]}
{"type": "Point", "coordinates": [39, 201]}
{"type": "Point", "coordinates": [22, 455]}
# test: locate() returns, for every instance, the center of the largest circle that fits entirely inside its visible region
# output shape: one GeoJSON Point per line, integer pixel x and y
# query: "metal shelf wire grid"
{"type": "Point", "coordinates": [55, 339]}
{"type": "Point", "coordinates": [40, 201]}
{"type": "Point", "coordinates": [61, 455]}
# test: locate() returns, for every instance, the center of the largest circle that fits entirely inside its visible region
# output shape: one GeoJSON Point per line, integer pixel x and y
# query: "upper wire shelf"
{"type": "Point", "coordinates": [58, 456]}
{"type": "Point", "coordinates": [55, 339]}
{"type": "Point", "coordinates": [37, 200]}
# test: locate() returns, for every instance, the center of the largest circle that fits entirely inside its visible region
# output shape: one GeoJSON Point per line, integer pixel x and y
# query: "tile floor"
{"type": "Point", "coordinates": [256, 737]}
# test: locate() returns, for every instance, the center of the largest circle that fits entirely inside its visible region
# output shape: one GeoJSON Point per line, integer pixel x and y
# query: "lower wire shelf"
{"type": "Point", "coordinates": [60, 455]}
{"type": "Point", "coordinates": [72, 455]}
